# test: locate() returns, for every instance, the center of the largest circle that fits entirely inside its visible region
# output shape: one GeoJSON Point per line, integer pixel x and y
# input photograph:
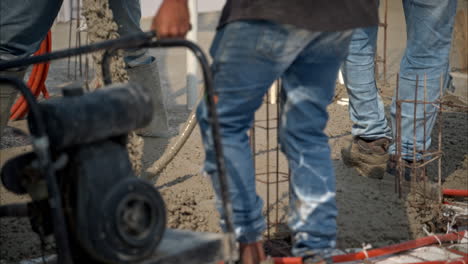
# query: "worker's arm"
{"type": "Point", "coordinates": [172, 19]}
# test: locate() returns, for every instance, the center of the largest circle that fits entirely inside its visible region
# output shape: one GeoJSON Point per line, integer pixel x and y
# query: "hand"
{"type": "Point", "coordinates": [172, 19]}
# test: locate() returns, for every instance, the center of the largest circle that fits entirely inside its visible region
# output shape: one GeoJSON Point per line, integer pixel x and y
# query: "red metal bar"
{"type": "Point", "coordinates": [454, 192]}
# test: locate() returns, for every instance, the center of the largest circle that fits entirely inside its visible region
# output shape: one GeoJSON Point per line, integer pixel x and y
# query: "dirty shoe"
{"type": "Point", "coordinates": [408, 171]}
{"type": "Point", "coordinates": [252, 253]}
{"type": "Point", "coordinates": [368, 157]}
{"type": "Point", "coordinates": [7, 97]}
{"type": "Point", "coordinates": [148, 77]}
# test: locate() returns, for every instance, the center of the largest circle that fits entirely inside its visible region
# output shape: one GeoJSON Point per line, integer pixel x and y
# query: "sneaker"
{"type": "Point", "coordinates": [368, 157]}
{"type": "Point", "coordinates": [408, 172]}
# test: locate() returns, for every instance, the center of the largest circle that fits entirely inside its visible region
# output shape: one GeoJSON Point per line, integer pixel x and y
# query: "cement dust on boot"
{"type": "Point", "coordinates": [369, 158]}
{"type": "Point", "coordinates": [147, 76]}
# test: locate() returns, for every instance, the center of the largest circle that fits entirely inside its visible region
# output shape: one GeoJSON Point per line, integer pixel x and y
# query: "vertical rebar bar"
{"type": "Point", "coordinates": [253, 144]}
{"type": "Point", "coordinates": [440, 139]}
{"type": "Point", "coordinates": [424, 126]}
{"type": "Point", "coordinates": [277, 152]}
{"type": "Point", "coordinates": [413, 164]}
{"type": "Point", "coordinates": [268, 164]}
{"type": "Point", "coordinates": [78, 16]}
{"type": "Point", "coordinates": [87, 65]}
{"type": "Point", "coordinates": [70, 38]}
{"type": "Point", "coordinates": [385, 42]}
{"type": "Point", "coordinates": [398, 165]}
{"type": "Point", "coordinates": [76, 45]}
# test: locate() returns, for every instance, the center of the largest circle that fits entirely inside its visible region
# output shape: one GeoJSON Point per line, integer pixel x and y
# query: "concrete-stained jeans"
{"type": "Point", "coordinates": [247, 57]}
{"type": "Point", "coordinates": [429, 25]}
{"type": "Point", "coordinates": [25, 23]}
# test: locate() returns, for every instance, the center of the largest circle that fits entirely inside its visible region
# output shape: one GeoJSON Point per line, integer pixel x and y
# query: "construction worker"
{"type": "Point", "coordinates": [429, 26]}
{"type": "Point", "coordinates": [24, 24]}
{"type": "Point", "coordinates": [304, 43]}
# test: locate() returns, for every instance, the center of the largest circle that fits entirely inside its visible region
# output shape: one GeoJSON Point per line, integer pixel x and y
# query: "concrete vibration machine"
{"type": "Point", "coordinates": [79, 176]}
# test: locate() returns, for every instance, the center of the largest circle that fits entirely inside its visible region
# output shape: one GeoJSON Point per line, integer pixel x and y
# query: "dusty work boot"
{"type": "Point", "coordinates": [252, 253]}
{"type": "Point", "coordinates": [368, 157]}
{"type": "Point", "coordinates": [148, 77]}
{"type": "Point", "coordinates": [408, 171]}
{"type": "Point", "coordinates": [7, 97]}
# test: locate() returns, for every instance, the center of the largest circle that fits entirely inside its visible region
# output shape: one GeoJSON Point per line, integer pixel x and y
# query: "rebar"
{"type": "Point", "coordinates": [277, 152]}
{"type": "Point", "coordinates": [268, 165]}
{"type": "Point", "coordinates": [399, 177]}
{"type": "Point", "coordinates": [424, 155]}
{"type": "Point", "coordinates": [415, 142]}
{"type": "Point", "coordinates": [70, 38]}
{"type": "Point", "coordinates": [440, 139]}
{"type": "Point", "coordinates": [377, 58]}
{"type": "Point", "coordinates": [78, 32]}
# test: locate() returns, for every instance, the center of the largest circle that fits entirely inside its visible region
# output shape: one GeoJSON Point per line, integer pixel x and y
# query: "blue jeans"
{"type": "Point", "coordinates": [247, 57]}
{"type": "Point", "coordinates": [429, 26]}
{"type": "Point", "coordinates": [24, 24]}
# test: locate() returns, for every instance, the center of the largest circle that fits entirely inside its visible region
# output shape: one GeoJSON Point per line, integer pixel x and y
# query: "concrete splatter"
{"type": "Point", "coordinates": [101, 26]}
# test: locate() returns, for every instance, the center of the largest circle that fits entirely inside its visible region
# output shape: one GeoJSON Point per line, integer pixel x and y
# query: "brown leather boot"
{"type": "Point", "coordinates": [368, 157]}
{"type": "Point", "coordinates": [252, 253]}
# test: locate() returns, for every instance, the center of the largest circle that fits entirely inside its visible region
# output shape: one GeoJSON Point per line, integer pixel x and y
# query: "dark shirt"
{"type": "Point", "coordinates": [314, 15]}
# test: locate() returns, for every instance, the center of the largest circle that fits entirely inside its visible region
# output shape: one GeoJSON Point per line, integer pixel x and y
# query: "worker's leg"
{"type": "Point", "coordinates": [366, 108]}
{"type": "Point", "coordinates": [23, 26]}
{"type": "Point", "coordinates": [429, 34]}
{"type": "Point", "coordinates": [367, 152]}
{"type": "Point", "coordinates": [308, 88]}
{"type": "Point", "coordinates": [127, 15]}
{"type": "Point", "coordinates": [247, 58]}
{"type": "Point", "coordinates": [7, 96]}
{"type": "Point", "coordinates": [142, 68]}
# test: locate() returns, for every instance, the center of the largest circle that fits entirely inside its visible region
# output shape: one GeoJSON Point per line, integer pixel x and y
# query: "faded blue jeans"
{"type": "Point", "coordinates": [429, 26]}
{"type": "Point", "coordinates": [247, 57]}
{"type": "Point", "coordinates": [25, 23]}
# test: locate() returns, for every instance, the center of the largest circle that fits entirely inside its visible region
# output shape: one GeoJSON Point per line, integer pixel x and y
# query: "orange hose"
{"type": "Point", "coordinates": [36, 80]}
{"type": "Point", "coordinates": [463, 260]}
{"type": "Point", "coordinates": [392, 249]}
{"type": "Point", "coordinates": [454, 192]}
{"type": "Point", "coordinates": [421, 242]}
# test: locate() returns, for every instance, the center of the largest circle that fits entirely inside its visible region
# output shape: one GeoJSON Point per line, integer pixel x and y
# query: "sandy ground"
{"type": "Point", "coordinates": [369, 210]}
